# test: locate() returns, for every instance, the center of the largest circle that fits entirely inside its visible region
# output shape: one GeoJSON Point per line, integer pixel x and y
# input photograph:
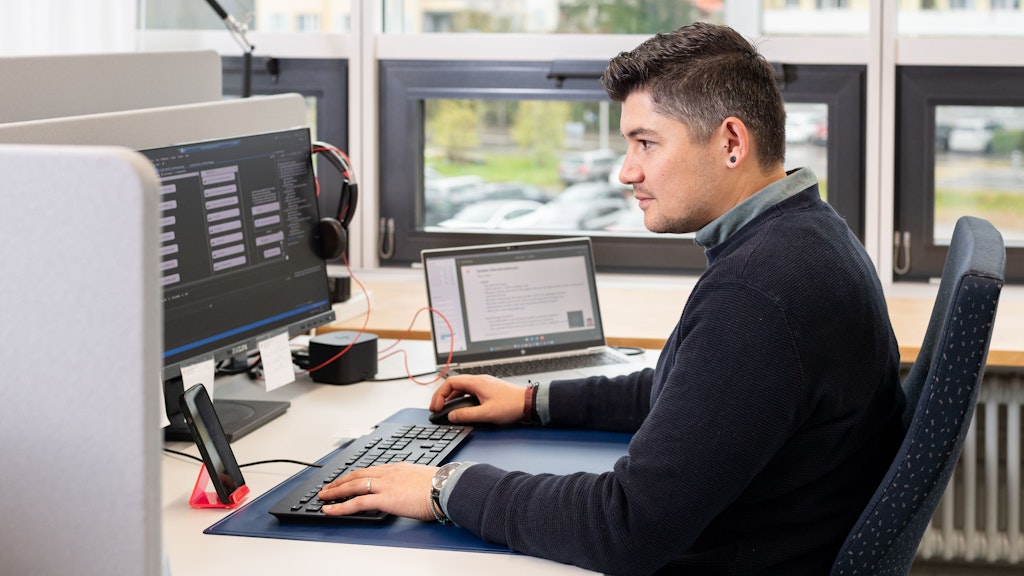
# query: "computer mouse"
{"type": "Point", "coordinates": [441, 416]}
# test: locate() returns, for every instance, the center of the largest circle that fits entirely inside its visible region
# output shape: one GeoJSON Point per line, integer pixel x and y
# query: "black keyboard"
{"type": "Point", "coordinates": [429, 444]}
{"type": "Point", "coordinates": [538, 365]}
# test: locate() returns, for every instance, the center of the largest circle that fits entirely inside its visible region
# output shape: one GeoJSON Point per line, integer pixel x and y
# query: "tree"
{"type": "Point", "coordinates": [539, 127]}
{"type": "Point", "coordinates": [455, 128]}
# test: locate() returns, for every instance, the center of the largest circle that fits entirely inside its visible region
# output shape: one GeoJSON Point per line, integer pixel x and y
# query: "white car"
{"type": "Point", "coordinates": [489, 214]}
{"type": "Point", "coordinates": [613, 176]}
{"type": "Point", "coordinates": [803, 127]}
{"type": "Point", "coordinates": [583, 206]}
{"type": "Point", "coordinates": [971, 135]}
{"type": "Point", "coordinates": [586, 166]}
{"type": "Point", "coordinates": [442, 197]}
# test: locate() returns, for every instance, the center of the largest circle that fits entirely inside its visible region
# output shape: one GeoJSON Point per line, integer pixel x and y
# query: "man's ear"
{"type": "Point", "coordinates": [735, 141]}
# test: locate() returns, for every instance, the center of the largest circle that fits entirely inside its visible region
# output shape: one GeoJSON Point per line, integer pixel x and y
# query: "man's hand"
{"type": "Point", "coordinates": [501, 402]}
{"type": "Point", "coordinates": [402, 489]}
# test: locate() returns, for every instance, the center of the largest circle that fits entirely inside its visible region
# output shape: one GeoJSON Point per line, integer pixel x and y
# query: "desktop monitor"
{"type": "Point", "coordinates": [240, 258]}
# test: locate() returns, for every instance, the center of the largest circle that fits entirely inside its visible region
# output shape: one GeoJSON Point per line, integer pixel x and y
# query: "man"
{"type": "Point", "coordinates": [774, 408]}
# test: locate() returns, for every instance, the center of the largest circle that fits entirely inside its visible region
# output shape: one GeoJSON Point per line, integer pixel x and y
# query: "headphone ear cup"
{"type": "Point", "coordinates": [333, 239]}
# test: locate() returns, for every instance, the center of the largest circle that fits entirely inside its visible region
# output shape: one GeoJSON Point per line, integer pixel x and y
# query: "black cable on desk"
{"type": "Point", "coordinates": [281, 460]}
{"type": "Point", "coordinates": [404, 377]}
{"type": "Point", "coordinates": [629, 350]}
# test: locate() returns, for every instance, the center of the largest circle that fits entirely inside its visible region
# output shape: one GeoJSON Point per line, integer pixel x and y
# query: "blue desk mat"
{"type": "Point", "coordinates": [534, 450]}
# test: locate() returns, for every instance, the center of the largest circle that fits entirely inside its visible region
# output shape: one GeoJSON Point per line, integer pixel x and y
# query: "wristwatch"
{"type": "Point", "coordinates": [436, 485]}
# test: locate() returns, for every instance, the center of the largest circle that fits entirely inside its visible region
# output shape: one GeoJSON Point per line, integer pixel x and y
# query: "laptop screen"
{"type": "Point", "coordinates": [513, 300]}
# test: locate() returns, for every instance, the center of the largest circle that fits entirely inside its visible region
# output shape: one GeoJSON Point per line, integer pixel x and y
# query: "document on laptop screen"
{"type": "Point", "coordinates": [515, 299]}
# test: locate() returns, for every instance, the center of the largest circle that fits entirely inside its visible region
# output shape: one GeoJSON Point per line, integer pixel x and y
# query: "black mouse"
{"type": "Point", "coordinates": [441, 416]}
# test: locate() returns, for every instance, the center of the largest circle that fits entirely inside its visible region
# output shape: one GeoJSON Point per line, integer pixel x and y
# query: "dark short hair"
{"type": "Point", "coordinates": [701, 74]}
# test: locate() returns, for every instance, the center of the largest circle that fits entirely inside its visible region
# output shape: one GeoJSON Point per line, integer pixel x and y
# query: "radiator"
{"type": "Point", "coordinates": [978, 520]}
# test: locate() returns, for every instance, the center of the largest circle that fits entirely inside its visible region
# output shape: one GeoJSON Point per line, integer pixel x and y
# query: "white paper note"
{"type": "Point", "coordinates": [276, 356]}
{"type": "Point", "coordinates": [199, 373]}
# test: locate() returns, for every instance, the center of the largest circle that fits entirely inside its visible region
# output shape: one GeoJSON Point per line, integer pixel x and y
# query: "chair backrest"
{"type": "Point", "coordinates": [942, 391]}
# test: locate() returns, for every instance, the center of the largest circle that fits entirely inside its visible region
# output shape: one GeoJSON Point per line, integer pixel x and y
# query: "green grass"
{"type": "Point", "coordinates": [1004, 209]}
{"type": "Point", "coordinates": [978, 199]}
{"type": "Point", "coordinates": [504, 168]}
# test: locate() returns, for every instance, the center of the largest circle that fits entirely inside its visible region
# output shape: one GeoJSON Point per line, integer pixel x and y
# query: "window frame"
{"type": "Point", "coordinates": [919, 90]}
{"type": "Point", "coordinates": [405, 84]}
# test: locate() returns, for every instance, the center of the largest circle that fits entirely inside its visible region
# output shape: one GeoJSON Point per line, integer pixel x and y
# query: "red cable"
{"type": "Point", "coordinates": [451, 347]}
{"type": "Point", "coordinates": [344, 259]}
{"type": "Point", "coordinates": [451, 332]}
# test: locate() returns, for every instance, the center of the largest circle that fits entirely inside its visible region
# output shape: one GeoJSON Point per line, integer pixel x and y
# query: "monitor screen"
{"type": "Point", "coordinates": [240, 245]}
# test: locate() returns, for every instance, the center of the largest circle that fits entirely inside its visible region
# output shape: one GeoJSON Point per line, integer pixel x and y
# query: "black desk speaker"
{"type": "Point", "coordinates": [355, 365]}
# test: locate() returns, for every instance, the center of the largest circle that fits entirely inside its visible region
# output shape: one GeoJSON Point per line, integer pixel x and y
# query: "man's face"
{"type": "Point", "coordinates": [673, 179]}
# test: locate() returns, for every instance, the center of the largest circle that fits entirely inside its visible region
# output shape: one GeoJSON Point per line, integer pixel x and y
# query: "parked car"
{"type": "Point", "coordinates": [583, 206]}
{"type": "Point", "coordinates": [592, 215]}
{"type": "Point", "coordinates": [442, 197]}
{"type": "Point", "coordinates": [613, 174]}
{"type": "Point", "coordinates": [489, 214]}
{"type": "Point", "coordinates": [511, 191]}
{"type": "Point", "coordinates": [971, 135]}
{"type": "Point", "coordinates": [629, 221]}
{"type": "Point", "coordinates": [586, 166]}
{"type": "Point", "coordinates": [587, 191]}
{"type": "Point", "coordinates": [804, 126]}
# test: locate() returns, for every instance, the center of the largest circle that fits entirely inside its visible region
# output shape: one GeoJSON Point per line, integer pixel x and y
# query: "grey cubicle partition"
{"type": "Point", "coordinates": [53, 86]}
{"type": "Point", "coordinates": [154, 127]}
{"type": "Point", "coordinates": [80, 328]}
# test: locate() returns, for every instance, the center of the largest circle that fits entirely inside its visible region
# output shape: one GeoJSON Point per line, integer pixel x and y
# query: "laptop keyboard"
{"type": "Point", "coordinates": [428, 444]}
{"type": "Point", "coordinates": [536, 366]}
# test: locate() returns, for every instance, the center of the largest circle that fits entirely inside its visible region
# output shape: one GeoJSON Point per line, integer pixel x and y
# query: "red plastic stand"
{"type": "Point", "coordinates": [201, 498]}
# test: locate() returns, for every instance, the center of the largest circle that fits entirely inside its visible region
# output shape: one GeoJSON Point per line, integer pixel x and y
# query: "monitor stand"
{"type": "Point", "coordinates": [237, 417]}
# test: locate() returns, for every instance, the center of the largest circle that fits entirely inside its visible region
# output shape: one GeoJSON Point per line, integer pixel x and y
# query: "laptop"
{"type": "Point", "coordinates": [524, 312]}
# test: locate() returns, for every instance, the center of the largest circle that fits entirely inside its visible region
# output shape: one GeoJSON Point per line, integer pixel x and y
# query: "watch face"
{"type": "Point", "coordinates": [442, 475]}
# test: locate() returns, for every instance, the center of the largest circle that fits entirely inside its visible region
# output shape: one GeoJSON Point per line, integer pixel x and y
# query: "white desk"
{"type": "Point", "coordinates": [319, 416]}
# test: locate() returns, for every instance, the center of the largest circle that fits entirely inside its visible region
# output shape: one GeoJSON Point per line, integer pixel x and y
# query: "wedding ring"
{"type": "Point", "coordinates": [368, 482]}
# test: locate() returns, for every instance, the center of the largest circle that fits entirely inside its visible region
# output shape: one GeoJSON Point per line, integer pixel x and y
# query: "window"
{"type": "Point", "coordinates": [256, 15]}
{"type": "Point", "coordinates": [1005, 4]}
{"type": "Point", "coordinates": [307, 22]}
{"type": "Point", "coordinates": [971, 163]}
{"type": "Point", "coordinates": [547, 16]}
{"type": "Point", "coordinates": [455, 134]}
{"type": "Point", "coordinates": [277, 22]}
{"type": "Point", "coordinates": [961, 18]}
{"type": "Point", "coordinates": [812, 17]}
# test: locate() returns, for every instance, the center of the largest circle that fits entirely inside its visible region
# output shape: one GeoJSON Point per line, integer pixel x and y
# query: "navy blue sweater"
{"type": "Point", "coordinates": [773, 412]}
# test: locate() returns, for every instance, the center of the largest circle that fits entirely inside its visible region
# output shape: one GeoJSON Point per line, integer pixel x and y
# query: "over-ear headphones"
{"type": "Point", "coordinates": [334, 230]}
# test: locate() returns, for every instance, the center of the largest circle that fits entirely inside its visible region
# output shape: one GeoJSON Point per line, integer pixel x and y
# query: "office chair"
{"type": "Point", "coordinates": [942, 391]}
